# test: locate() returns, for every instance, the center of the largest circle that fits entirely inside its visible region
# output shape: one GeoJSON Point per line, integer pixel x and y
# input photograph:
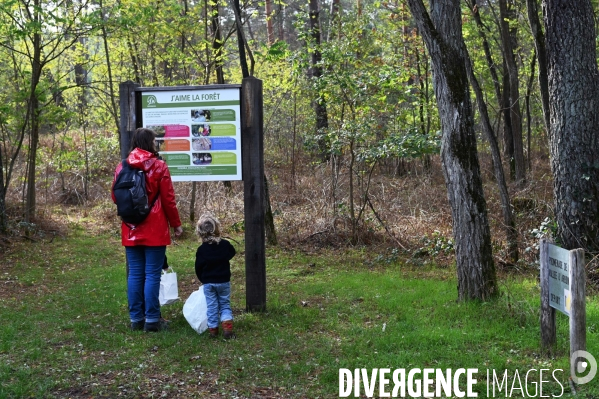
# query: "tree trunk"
{"type": "Point", "coordinates": [513, 98]}
{"type": "Point", "coordinates": [3, 220]}
{"type": "Point", "coordinates": [528, 117]}
{"type": "Point", "coordinates": [539, 39]}
{"type": "Point", "coordinates": [490, 63]}
{"type": "Point", "coordinates": [352, 212]}
{"type": "Point", "coordinates": [245, 72]}
{"type": "Point", "coordinates": [502, 97]}
{"type": "Point", "coordinates": [281, 23]}
{"type": "Point", "coordinates": [509, 223]}
{"type": "Point", "coordinates": [217, 48]}
{"type": "Point", "coordinates": [269, 220]}
{"type": "Point", "coordinates": [113, 105]}
{"type": "Point", "coordinates": [81, 82]}
{"type": "Point", "coordinates": [207, 45]}
{"type": "Point", "coordinates": [422, 93]}
{"type": "Point", "coordinates": [319, 103]}
{"type": "Point", "coordinates": [508, 137]}
{"type": "Point", "coordinates": [192, 202]}
{"type": "Point", "coordinates": [294, 130]}
{"type": "Point", "coordinates": [134, 62]}
{"type": "Point", "coordinates": [36, 71]}
{"type": "Point", "coordinates": [334, 18]}
{"type": "Point", "coordinates": [474, 259]}
{"type": "Point", "coordinates": [573, 101]}
{"type": "Point", "coordinates": [11, 154]}
{"type": "Point", "coordinates": [217, 44]}
{"type": "Point", "coordinates": [270, 31]}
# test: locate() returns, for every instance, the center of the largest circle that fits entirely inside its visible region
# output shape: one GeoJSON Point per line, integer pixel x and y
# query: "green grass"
{"type": "Point", "coordinates": [65, 330]}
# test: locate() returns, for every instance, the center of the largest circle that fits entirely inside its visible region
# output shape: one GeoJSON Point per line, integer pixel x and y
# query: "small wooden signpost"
{"type": "Point", "coordinates": [562, 288]}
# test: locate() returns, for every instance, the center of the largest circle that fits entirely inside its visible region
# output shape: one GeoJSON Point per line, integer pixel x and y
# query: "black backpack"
{"type": "Point", "coordinates": [130, 193]}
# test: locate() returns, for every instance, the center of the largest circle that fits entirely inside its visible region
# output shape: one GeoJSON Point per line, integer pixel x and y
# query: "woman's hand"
{"type": "Point", "coordinates": [178, 231]}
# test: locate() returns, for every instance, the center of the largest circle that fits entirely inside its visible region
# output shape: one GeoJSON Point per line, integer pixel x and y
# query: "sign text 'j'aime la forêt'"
{"type": "Point", "coordinates": [198, 131]}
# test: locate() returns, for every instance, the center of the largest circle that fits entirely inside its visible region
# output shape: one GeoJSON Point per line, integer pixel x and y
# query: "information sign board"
{"type": "Point", "coordinates": [559, 279]}
{"type": "Point", "coordinates": [198, 131]}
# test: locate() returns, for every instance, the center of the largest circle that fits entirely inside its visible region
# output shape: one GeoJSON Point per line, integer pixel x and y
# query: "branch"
{"type": "Point", "coordinates": [383, 224]}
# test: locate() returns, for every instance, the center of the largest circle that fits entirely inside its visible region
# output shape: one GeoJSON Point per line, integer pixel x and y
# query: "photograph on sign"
{"type": "Point", "coordinates": [198, 131]}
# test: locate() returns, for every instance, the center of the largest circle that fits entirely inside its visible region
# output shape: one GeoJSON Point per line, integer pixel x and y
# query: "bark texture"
{"type": "Point", "coordinates": [509, 222]}
{"type": "Point", "coordinates": [539, 38]}
{"type": "Point", "coordinates": [508, 39]}
{"type": "Point", "coordinates": [574, 120]}
{"type": "Point", "coordinates": [443, 36]}
{"type": "Point", "coordinates": [318, 104]}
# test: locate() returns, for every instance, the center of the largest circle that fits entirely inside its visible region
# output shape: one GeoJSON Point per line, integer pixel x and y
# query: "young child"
{"type": "Point", "coordinates": [214, 272]}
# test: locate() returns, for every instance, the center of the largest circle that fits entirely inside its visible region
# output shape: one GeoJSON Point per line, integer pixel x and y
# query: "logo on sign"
{"type": "Point", "coordinates": [151, 101]}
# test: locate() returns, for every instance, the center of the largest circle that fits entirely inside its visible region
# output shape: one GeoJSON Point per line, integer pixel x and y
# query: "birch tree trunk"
{"type": "Point", "coordinates": [443, 37]}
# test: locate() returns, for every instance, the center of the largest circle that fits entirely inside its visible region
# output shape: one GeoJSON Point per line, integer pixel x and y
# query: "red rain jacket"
{"type": "Point", "coordinates": [154, 230]}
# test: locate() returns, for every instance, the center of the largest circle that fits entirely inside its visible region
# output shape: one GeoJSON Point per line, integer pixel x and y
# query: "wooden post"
{"type": "Point", "coordinates": [269, 221]}
{"type": "Point", "coordinates": [128, 123]}
{"type": "Point", "coordinates": [128, 115]}
{"type": "Point", "coordinates": [252, 153]}
{"type": "Point", "coordinates": [578, 324]}
{"type": "Point", "coordinates": [548, 333]}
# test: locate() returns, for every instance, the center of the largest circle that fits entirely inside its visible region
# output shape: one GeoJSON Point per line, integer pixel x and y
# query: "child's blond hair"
{"type": "Point", "coordinates": [208, 228]}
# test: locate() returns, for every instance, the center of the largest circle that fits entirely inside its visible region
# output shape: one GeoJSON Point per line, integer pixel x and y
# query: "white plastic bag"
{"type": "Point", "coordinates": [169, 292]}
{"type": "Point", "coordinates": [195, 311]}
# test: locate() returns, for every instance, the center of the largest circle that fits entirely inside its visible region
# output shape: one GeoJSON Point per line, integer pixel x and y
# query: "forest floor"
{"type": "Point", "coordinates": [385, 301]}
{"type": "Point", "coordinates": [65, 330]}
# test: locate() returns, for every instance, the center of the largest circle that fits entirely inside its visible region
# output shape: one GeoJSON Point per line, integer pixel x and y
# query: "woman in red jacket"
{"type": "Point", "coordinates": [145, 243]}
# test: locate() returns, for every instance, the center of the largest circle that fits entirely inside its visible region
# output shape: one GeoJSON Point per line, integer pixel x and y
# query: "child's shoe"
{"type": "Point", "coordinates": [213, 332]}
{"type": "Point", "coordinates": [156, 326]}
{"type": "Point", "coordinates": [228, 329]}
{"type": "Point", "coordinates": [137, 325]}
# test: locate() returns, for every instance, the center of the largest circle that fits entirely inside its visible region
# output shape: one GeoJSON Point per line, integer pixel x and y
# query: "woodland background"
{"type": "Point", "coordinates": [362, 267]}
{"type": "Point", "coordinates": [352, 131]}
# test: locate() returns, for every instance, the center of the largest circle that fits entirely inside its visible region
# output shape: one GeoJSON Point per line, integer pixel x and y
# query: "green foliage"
{"type": "Point", "coordinates": [70, 155]}
{"type": "Point", "coordinates": [547, 229]}
{"type": "Point", "coordinates": [436, 244]}
{"type": "Point", "coordinates": [370, 91]}
{"type": "Point", "coordinates": [412, 144]}
{"type": "Point", "coordinates": [390, 258]}
{"type": "Point", "coordinates": [277, 52]}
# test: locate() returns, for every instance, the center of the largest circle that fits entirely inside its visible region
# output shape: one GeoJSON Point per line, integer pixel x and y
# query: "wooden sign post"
{"type": "Point", "coordinates": [128, 123]}
{"type": "Point", "coordinates": [252, 152]}
{"type": "Point", "coordinates": [562, 288]}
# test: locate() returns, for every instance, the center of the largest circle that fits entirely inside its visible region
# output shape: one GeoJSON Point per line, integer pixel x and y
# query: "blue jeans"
{"type": "Point", "coordinates": [143, 282]}
{"type": "Point", "coordinates": [218, 301]}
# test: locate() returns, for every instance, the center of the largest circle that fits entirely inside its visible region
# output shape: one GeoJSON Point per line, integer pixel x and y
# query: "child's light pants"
{"type": "Point", "coordinates": [218, 300]}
